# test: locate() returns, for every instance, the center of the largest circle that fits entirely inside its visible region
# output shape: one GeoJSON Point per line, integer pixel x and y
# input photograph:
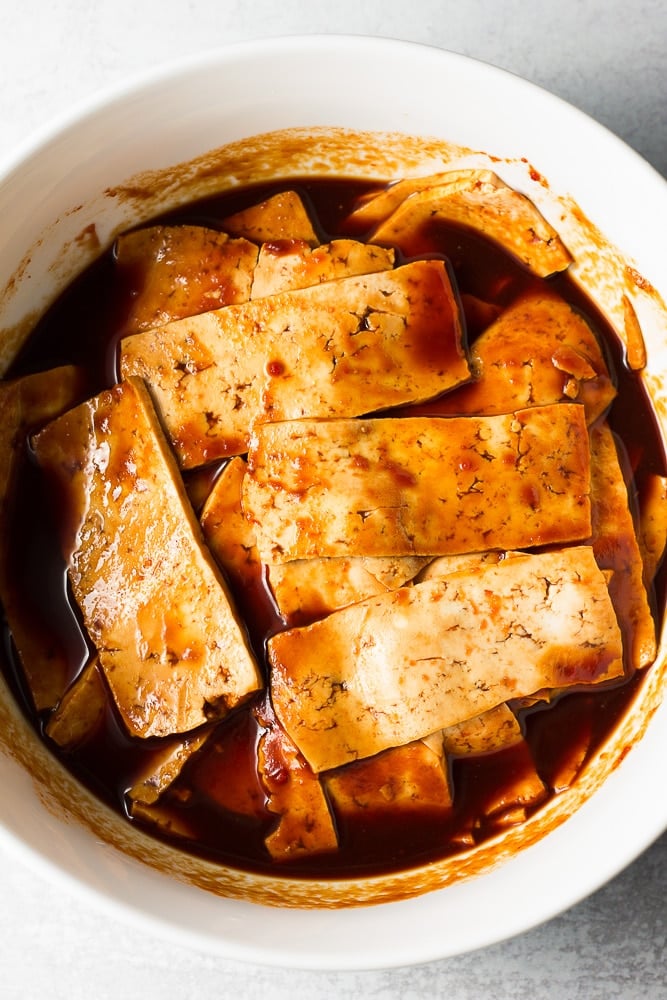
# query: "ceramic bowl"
{"type": "Point", "coordinates": [359, 107]}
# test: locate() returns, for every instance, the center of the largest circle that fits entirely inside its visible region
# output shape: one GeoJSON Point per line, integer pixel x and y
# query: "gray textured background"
{"type": "Point", "coordinates": [610, 60]}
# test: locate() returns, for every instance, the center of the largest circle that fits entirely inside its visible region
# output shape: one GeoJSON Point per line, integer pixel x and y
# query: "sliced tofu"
{"type": "Point", "coordinates": [25, 405]}
{"type": "Point", "coordinates": [337, 349]}
{"type": "Point", "coordinates": [480, 200]}
{"type": "Point", "coordinates": [288, 264]}
{"type": "Point", "coordinates": [171, 646]}
{"type": "Point", "coordinates": [616, 548]}
{"type": "Point", "coordinates": [653, 524]}
{"type": "Point", "coordinates": [164, 767]}
{"type": "Point", "coordinates": [404, 781]}
{"type": "Point", "coordinates": [283, 216]}
{"type": "Point", "coordinates": [81, 709]}
{"type": "Point", "coordinates": [305, 826]}
{"type": "Point", "coordinates": [538, 351]}
{"type": "Point", "coordinates": [495, 729]}
{"type": "Point", "coordinates": [174, 271]}
{"type": "Point", "coordinates": [397, 667]}
{"type": "Point", "coordinates": [419, 485]}
{"type": "Point", "coordinates": [305, 589]}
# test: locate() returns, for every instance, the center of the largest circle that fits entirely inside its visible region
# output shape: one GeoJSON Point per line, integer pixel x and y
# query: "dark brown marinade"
{"type": "Point", "coordinates": [84, 327]}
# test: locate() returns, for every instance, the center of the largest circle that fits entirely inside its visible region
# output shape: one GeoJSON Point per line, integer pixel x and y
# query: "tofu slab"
{"type": "Point", "coordinates": [616, 547]}
{"type": "Point", "coordinates": [419, 485]}
{"type": "Point", "coordinates": [80, 710]}
{"type": "Point", "coordinates": [398, 667]}
{"type": "Point", "coordinates": [653, 524]}
{"type": "Point", "coordinates": [152, 600]}
{"type": "Point", "coordinates": [26, 404]}
{"type": "Point", "coordinates": [287, 264]}
{"type": "Point", "coordinates": [304, 824]}
{"type": "Point", "coordinates": [480, 200]}
{"type": "Point", "coordinates": [538, 351]}
{"type": "Point", "coordinates": [174, 271]}
{"type": "Point", "coordinates": [493, 730]}
{"type": "Point", "coordinates": [341, 348]}
{"type": "Point", "coordinates": [283, 216]}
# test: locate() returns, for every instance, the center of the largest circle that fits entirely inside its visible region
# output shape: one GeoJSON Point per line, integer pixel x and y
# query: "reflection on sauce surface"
{"type": "Point", "coordinates": [218, 798]}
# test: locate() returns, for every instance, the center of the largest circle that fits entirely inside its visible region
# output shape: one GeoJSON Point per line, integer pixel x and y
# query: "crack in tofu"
{"type": "Point", "coordinates": [419, 485]}
{"type": "Point", "coordinates": [341, 348]}
{"type": "Point", "coordinates": [171, 646]}
{"type": "Point", "coordinates": [395, 668]}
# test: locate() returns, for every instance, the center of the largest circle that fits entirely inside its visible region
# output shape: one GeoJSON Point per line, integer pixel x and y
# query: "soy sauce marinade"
{"type": "Point", "coordinates": [84, 328]}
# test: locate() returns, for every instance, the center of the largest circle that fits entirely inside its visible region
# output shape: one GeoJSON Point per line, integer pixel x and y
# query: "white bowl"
{"type": "Point", "coordinates": [199, 127]}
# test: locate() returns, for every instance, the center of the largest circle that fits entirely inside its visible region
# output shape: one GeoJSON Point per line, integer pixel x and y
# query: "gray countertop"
{"type": "Point", "coordinates": [608, 59]}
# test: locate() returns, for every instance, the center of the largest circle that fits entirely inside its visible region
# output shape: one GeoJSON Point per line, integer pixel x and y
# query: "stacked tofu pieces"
{"type": "Point", "coordinates": [434, 568]}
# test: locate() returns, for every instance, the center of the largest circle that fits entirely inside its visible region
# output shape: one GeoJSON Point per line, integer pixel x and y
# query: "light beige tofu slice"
{"type": "Point", "coordinates": [152, 600]}
{"type": "Point", "coordinates": [493, 730]}
{"type": "Point", "coordinates": [398, 667]}
{"type": "Point", "coordinates": [403, 780]}
{"type": "Point", "coordinates": [80, 710]}
{"type": "Point", "coordinates": [419, 485]}
{"type": "Point", "coordinates": [374, 208]}
{"type": "Point", "coordinates": [25, 405]}
{"type": "Point", "coordinates": [289, 264]}
{"type": "Point", "coordinates": [174, 271]}
{"type": "Point", "coordinates": [480, 200]}
{"type": "Point", "coordinates": [283, 216]}
{"type": "Point", "coordinates": [337, 349]}
{"type": "Point", "coordinates": [165, 766]}
{"type": "Point", "coordinates": [616, 548]}
{"type": "Point", "coordinates": [653, 524]}
{"type": "Point", "coordinates": [538, 351]}
{"type": "Point", "coordinates": [305, 589]}
{"type": "Point", "coordinates": [295, 794]}
{"type": "Point", "coordinates": [445, 565]}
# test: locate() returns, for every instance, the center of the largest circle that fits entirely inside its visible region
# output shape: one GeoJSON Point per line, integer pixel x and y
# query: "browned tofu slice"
{"type": "Point", "coordinates": [174, 271]}
{"type": "Point", "coordinates": [289, 264]}
{"type": "Point", "coordinates": [281, 217]}
{"type": "Point", "coordinates": [493, 730]}
{"type": "Point", "coordinates": [305, 825]}
{"type": "Point", "coordinates": [419, 485]}
{"type": "Point", "coordinates": [403, 780]}
{"type": "Point", "coordinates": [397, 667]}
{"type": "Point", "coordinates": [25, 405]}
{"type": "Point", "coordinates": [538, 351]}
{"type": "Point", "coordinates": [616, 548]}
{"type": "Point", "coordinates": [305, 589]}
{"type": "Point", "coordinates": [653, 524]}
{"type": "Point", "coordinates": [80, 710]}
{"type": "Point", "coordinates": [164, 766]}
{"type": "Point", "coordinates": [480, 200]}
{"type": "Point", "coordinates": [171, 646]}
{"type": "Point", "coordinates": [337, 349]}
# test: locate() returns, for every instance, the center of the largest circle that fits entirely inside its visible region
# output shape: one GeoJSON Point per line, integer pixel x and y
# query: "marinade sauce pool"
{"type": "Point", "coordinates": [83, 328]}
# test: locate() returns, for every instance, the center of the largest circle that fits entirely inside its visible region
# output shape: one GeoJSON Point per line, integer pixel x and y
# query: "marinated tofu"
{"type": "Point", "coordinates": [403, 781]}
{"type": "Point", "coordinates": [295, 795]}
{"type": "Point", "coordinates": [283, 216]}
{"type": "Point", "coordinates": [81, 709]}
{"type": "Point", "coordinates": [538, 351]}
{"type": "Point", "coordinates": [397, 667]}
{"type": "Point", "coordinates": [479, 200]}
{"type": "Point", "coordinates": [174, 271]}
{"type": "Point", "coordinates": [165, 766]}
{"type": "Point", "coordinates": [419, 485]}
{"type": "Point", "coordinates": [26, 404]}
{"type": "Point", "coordinates": [616, 548]}
{"type": "Point", "coordinates": [495, 729]}
{"type": "Point", "coordinates": [172, 648]}
{"type": "Point", "coordinates": [341, 348]}
{"type": "Point", "coordinates": [653, 524]}
{"type": "Point", "coordinates": [289, 264]}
